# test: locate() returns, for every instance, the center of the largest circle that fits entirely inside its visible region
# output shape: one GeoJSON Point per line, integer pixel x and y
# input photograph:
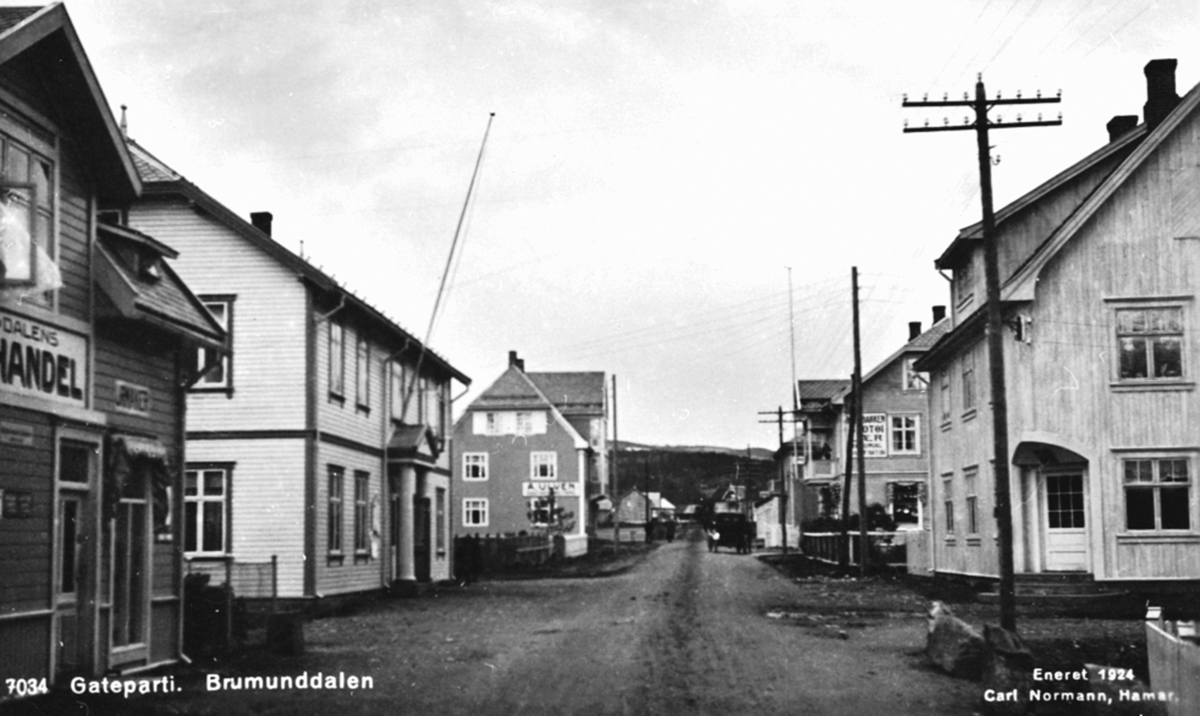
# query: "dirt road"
{"type": "Point", "coordinates": [686, 632]}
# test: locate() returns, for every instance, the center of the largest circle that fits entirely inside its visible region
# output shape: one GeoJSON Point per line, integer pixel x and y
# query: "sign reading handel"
{"type": "Point", "coordinates": [542, 489]}
{"type": "Point", "coordinates": [875, 435]}
{"type": "Point", "coordinates": [41, 361]}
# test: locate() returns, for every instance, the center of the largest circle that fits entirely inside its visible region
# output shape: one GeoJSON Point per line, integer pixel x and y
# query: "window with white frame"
{"type": "Point", "coordinates": [398, 376]}
{"type": "Point", "coordinates": [968, 381]}
{"type": "Point", "coordinates": [337, 359]}
{"type": "Point", "coordinates": [906, 434]}
{"type": "Point", "coordinates": [1157, 493]}
{"type": "Point", "coordinates": [1150, 343]}
{"type": "Point", "coordinates": [28, 245]}
{"type": "Point", "coordinates": [335, 508]}
{"type": "Point", "coordinates": [205, 511]}
{"type": "Point", "coordinates": [524, 423]}
{"type": "Point", "coordinates": [543, 465]}
{"type": "Point", "coordinates": [493, 424]}
{"type": "Point", "coordinates": [220, 375]}
{"type": "Point", "coordinates": [475, 512]}
{"type": "Point", "coordinates": [913, 378]}
{"type": "Point", "coordinates": [948, 502]}
{"type": "Point", "coordinates": [362, 512]}
{"type": "Point", "coordinates": [362, 372]}
{"type": "Point", "coordinates": [475, 466]}
{"type": "Point", "coordinates": [970, 481]}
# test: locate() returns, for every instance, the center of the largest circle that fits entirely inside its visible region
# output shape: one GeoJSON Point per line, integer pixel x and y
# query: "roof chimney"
{"type": "Point", "coordinates": [914, 329]}
{"type": "Point", "coordinates": [262, 221]}
{"type": "Point", "coordinates": [1160, 91]}
{"type": "Point", "coordinates": [939, 312]}
{"type": "Point", "coordinates": [1121, 125]}
{"type": "Point", "coordinates": [515, 362]}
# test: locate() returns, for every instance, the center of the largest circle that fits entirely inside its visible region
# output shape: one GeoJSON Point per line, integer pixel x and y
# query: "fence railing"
{"type": "Point", "coordinates": [251, 580]}
{"type": "Point", "coordinates": [1174, 660]}
{"type": "Point", "coordinates": [481, 553]}
{"type": "Point", "coordinates": [884, 547]}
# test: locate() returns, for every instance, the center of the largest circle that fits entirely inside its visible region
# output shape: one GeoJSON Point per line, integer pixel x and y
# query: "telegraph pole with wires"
{"type": "Point", "coordinates": [982, 124]}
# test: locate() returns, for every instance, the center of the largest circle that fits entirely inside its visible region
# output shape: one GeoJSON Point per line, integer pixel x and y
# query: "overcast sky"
{"type": "Point", "coordinates": [652, 170]}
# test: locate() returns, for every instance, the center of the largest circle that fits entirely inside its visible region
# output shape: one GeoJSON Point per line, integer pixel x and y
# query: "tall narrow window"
{"type": "Point", "coordinates": [968, 381]}
{"type": "Point", "coordinates": [219, 374]}
{"type": "Point", "coordinates": [948, 502]}
{"type": "Point", "coordinates": [440, 510]}
{"type": "Point", "coordinates": [362, 515]}
{"type": "Point", "coordinates": [970, 480]}
{"type": "Point", "coordinates": [335, 509]}
{"type": "Point", "coordinates": [1150, 343]}
{"type": "Point", "coordinates": [204, 511]}
{"type": "Point", "coordinates": [946, 402]}
{"type": "Point", "coordinates": [362, 373]}
{"type": "Point", "coordinates": [398, 387]}
{"type": "Point", "coordinates": [1157, 494]}
{"type": "Point", "coordinates": [337, 359]}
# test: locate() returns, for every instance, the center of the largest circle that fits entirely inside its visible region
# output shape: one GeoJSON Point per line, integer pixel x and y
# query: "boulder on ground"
{"type": "Point", "coordinates": [953, 645]}
{"type": "Point", "coordinates": [1007, 669]}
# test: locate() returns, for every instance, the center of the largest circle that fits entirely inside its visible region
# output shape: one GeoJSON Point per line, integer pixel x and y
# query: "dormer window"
{"type": "Point", "coordinates": [149, 267]}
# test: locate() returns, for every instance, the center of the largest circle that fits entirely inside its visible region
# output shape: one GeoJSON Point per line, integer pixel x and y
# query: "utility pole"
{"type": "Point", "coordinates": [795, 415]}
{"type": "Point", "coordinates": [981, 105]}
{"type": "Point", "coordinates": [863, 540]}
{"type": "Point", "coordinates": [616, 493]}
{"type": "Point", "coordinates": [847, 476]}
{"type": "Point", "coordinates": [785, 467]}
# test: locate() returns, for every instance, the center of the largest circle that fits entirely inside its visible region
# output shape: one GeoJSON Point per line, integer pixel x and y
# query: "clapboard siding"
{"type": "Point", "coordinates": [74, 247]}
{"type": "Point", "coordinates": [345, 417]}
{"type": "Point", "coordinates": [268, 319]}
{"type": "Point", "coordinates": [27, 541]}
{"type": "Point", "coordinates": [267, 502]}
{"type": "Point", "coordinates": [351, 573]}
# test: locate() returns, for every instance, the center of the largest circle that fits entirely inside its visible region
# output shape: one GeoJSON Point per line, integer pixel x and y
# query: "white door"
{"type": "Point", "coordinates": [1066, 526]}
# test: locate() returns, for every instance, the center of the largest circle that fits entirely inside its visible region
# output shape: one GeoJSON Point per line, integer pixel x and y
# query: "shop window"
{"type": "Point", "coordinates": [540, 511]}
{"type": "Point", "coordinates": [905, 501]}
{"type": "Point", "coordinates": [1157, 493]}
{"type": "Point", "coordinates": [334, 507]}
{"type": "Point", "coordinates": [1150, 343]}
{"type": "Point", "coordinates": [220, 374]}
{"type": "Point", "coordinates": [906, 435]}
{"type": "Point", "coordinates": [362, 514]}
{"type": "Point", "coordinates": [205, 511]}
{"type": "Point", "coordinates": [475, 512]}
{"type": "Point", "coordinates": [475, 466]}
{"type": "Point", "coordinates": [543, 465]}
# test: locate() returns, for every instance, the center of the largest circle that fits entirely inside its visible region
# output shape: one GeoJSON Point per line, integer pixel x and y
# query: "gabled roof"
{"type": "Point", "coordinates": [820, 389]}
{"type": "Point", "coordinates": [572, 393]}
{"type": "Point", "coordinates": [42, 41]}
{"type": "Point", "coordinates": [514, 390]}
{"type": "Point", "coordinates": [915, 347]}
{"type": "Point", "coordinates": [161, 180]}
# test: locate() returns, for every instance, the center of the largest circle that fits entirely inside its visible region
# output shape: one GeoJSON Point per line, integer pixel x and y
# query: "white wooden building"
{"type": "Point", "coordinates": [324, 442]}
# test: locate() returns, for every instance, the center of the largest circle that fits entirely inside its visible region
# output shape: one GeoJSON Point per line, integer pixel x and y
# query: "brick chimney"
{"type": "Point", "coordinates": [514, 361]}
{"type": "Point", "coordinates": [914, 329]}
{"type": "Point", "coordinates": [262, 221]}
{"type": "Point", "coordinates": [1160, 91]}
{"type": "Point", "coordinates": [939, 312]}
{"type": "Point", "coordinates": [1121, 125]}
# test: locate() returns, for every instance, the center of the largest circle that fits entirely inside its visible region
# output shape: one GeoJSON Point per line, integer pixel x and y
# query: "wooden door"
{"type": "Point", "coordinates": [1066, 522]}
{"type": "Point", "coordinates": [75, 559]}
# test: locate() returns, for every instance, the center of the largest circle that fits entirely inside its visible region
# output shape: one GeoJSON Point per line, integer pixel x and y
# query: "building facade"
{"type": "Point", "coordinates": [323, 444]}
{"type": "Point", "coordinates": [97, 342]}
{"type": "Point", "coordinates": [1098, 272]}
{"type": "Point", "coordinates": [531, 451]}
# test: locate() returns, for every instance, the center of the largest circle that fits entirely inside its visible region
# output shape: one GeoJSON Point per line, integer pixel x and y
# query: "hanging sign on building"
{"type": "Point", "coordinates": [875, 435]}
{"type": "Point", "coordinates": [39, 360]}
{"type": "Point", "coordinates": [133, 399]}
{"type": "Point", "coordinates": [542, 489]}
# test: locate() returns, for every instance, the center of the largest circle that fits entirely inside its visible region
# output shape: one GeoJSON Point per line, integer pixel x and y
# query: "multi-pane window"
{"type": "Point", "coordinates": [219, 375]}
{"type": "Point", "coordinates": [205, 508]}
{"type": "Point", "coordinates": [28, 249]}
{"type": "Point", "coordinates": [948, 503]}
{"type": "Point", "coordinates": [524, 423]}
{"type": "Point", "coordinates": [362, 512]}
{"type": "Point", "coordinates": [905, 499]}
{"type": "Point", "coordinates": [1150, 343]}
{"type": "Point", "coordinates": [968, 381]}
{"type": "Point", "coordinates": [336, 475]}
{"type": "Point", "coordinates": [337, 359]}
{"type": "Point", "coordinates": [493, 424]}
{"type": "Point", "coordinates": [970, 480]}
{"type": "Point", "coordinates": [475, 466]}
{"type": "Point", "coordinates": [475, 512]}
{"type": "Point", "coordinates": [913, 378]}
{"type": "Point", "coordinates": [1157, 493]}
{"type": "Point", "coordinates": [906, 435]}
{"type": "Point", "coordinates": [362, 372]}
{"type": "Point", "coordinates": [1064, 501]}
{"type": "Point", "coordinates": [946, 402]}
{"type": "Point", "coordinates": [544, 465]}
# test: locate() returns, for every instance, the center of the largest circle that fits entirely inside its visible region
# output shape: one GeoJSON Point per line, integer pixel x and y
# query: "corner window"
{"type": "Point", "coordinates": [1157, 493]}
{"type": "Point", "coordinates": [475, 512]}
{"type": "Point", "coordinates": [1150, 343]}
{"type": "Point", "coordinates": [219, 375]}
{"type": "Point", "coordinates": [205, 511]}
{"type": "Point", "coordinates": [475, 466]}
{"type": "Point", "coordinates": [906, 435]}
{"type": "Point", "coordinates": [337, 360]}
{"type": "Point", "coordinates": [28, 247]}
{"type": "Point", "coordinates": [544, 465]}
{"type": "Point", "coordinates": [336, 475]}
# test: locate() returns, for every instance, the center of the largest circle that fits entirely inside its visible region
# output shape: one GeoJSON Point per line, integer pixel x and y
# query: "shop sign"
{"type": "Point", "coordinates": [133, 399]}
{"type": "Point", "coordinates": [542, 489]}
{"type": "Point", "coordinates": [875, 435]}
{"type": "Point", "coordinates": [16, 434]}
{"type": "Point", "coordinates": [42, 361]}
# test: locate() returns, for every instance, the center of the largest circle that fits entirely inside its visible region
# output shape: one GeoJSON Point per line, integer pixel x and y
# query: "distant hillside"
{"type": "Point", "coordinates": [684, 474]}
{"type": "Point", "coordinates": [754, 452]}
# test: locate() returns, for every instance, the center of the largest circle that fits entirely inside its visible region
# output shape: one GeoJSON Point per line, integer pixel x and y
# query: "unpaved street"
{"type": "Point", "coordinates": [685, 632]}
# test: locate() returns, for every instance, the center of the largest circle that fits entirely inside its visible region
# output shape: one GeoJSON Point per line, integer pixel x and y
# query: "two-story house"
{"type": "Point", "coordinates": [98, 336]}
{"type": "Point", "coordinates": [323, 443]}
{"type": "Point", "coordinates": [527, 450]}
{"type": "Point", "coordinates": [1098, 269]}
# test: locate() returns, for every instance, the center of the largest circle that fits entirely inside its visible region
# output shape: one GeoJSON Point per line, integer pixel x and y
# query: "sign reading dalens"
{"type": "Point", "coordinates": [542, 489]}
{"type": "Point", "coordinates": [42, 361]}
